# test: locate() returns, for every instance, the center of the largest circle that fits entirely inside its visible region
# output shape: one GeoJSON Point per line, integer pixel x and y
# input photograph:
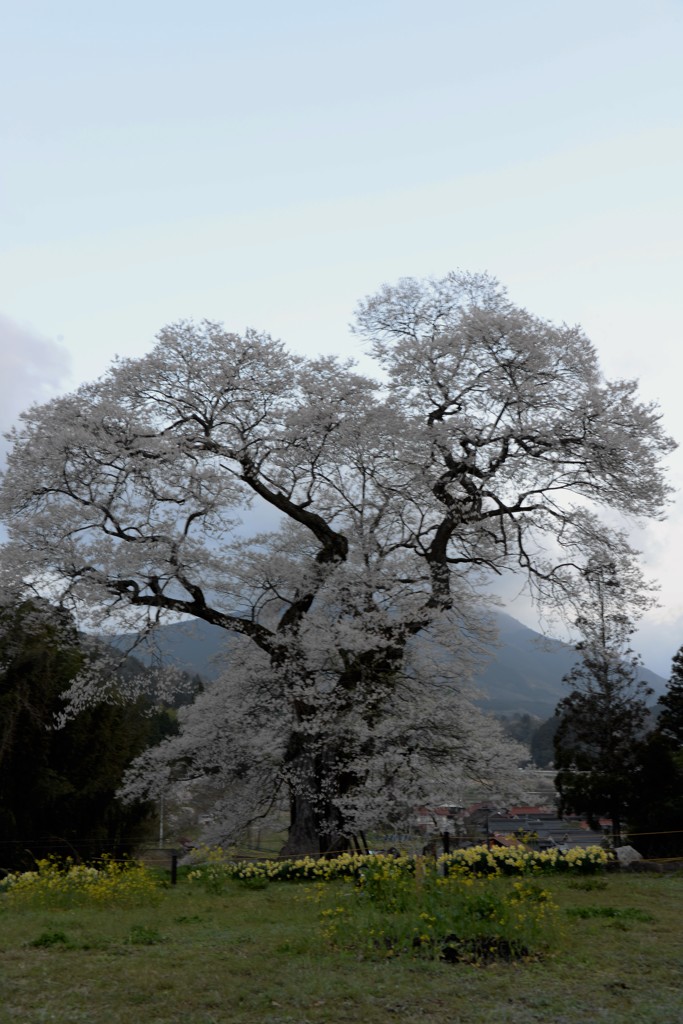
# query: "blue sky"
{"type": "Point", "coordinates": [270, 164]}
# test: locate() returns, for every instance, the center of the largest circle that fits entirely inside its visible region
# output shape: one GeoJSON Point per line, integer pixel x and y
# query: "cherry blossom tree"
{"type": "Point", "coordinates": [488, 442]}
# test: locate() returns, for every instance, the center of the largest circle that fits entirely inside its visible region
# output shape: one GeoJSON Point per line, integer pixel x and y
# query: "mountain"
{"type": "Point", "coordinates": [523, 674]}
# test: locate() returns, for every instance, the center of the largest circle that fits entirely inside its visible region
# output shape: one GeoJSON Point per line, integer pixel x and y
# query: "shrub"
{"type": "Point", "coordinates": [391, 913]}
{"type": "Point", "coordinates": [215, 867]}
{"type": "Point", "coordinates": [480, 862]}
{"type": "Point", "coordinates": [57, 884]}
{"type": "Point", "coordinates": [48, 939]}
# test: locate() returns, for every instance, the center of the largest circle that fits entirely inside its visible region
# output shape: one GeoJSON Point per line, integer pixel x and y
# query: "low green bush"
{"type": "Point", "coordinates": [390, 913]}
{"type": "Point", "coordinates": [46, 940]}
{"type": "Point", "coordinates": [214, 867]}
{"type": "Point", "coordinates": [61, 884]}
{"type": "Point", "coordinates": [478, 861]}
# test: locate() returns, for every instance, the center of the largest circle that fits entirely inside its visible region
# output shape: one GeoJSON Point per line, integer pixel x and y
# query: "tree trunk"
{"type": "Point", "coordinates": [308, 835]}
{"type": "Point", "coordinates": [303, 837]}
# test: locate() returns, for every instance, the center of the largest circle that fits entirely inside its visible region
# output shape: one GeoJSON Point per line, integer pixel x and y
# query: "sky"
{"type": "Point", "coordinates": [269, 164]}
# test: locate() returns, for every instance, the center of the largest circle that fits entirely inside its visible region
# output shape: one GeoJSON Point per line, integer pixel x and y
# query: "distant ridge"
{"type": "Point", "coordinates": [525, 672]}
{"type": "Point", "coordinates": [522, 676]}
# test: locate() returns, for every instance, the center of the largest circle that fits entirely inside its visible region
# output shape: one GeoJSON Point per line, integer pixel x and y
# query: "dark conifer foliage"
{"type": "Point", "coordinates": [603, 720]}
{"type": "Point", "coordinates": [57, 786]}
{"type": "Point", "coordinates": [671, 718]}
{"type": "Point", "coordinates": [656, 819]}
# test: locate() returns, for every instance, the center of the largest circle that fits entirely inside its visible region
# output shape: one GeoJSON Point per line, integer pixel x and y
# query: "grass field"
{"type": "Point", "coordinates": [249, 956]}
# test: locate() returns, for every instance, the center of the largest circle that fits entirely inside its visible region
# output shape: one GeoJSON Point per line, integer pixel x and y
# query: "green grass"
{"type": "Point", "coordinates": [258, 957]}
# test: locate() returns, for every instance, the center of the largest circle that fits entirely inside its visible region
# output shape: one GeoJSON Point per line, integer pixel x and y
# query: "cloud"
{"type": "Point", "coordinates": [32, 369]}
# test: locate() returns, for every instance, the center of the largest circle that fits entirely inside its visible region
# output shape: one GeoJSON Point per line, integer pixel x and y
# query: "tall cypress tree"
{"type": "Point", "coordinates": [670, 722]}
{"type": "Point", "coordinates": [657, 814]}
{"type": "Point", "coordinates": [603, 719]}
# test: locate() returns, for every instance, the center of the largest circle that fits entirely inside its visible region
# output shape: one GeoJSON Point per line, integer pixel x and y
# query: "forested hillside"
{"type": "Point", "coordinates": [523, 675]}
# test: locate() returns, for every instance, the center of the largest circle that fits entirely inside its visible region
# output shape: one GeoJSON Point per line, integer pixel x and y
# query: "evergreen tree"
{"type": "Point", "coordinates": [58, 786]}
{"type": "Point", "coordinates": [671, 718]}
{"type": "Point", "coordinates": [657, 815]}
{"type": "Point", "coordinates": [542, 743]}
{"type": "Point", "coordinates": [602, 721]}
